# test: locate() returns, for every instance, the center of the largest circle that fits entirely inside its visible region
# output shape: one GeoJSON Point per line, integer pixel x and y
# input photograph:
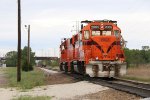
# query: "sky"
{"type": "Point", "coordinates": [51, 20]}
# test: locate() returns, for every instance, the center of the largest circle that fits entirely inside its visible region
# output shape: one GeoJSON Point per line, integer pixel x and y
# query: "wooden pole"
{"type": "Point", "coordinates": [19, 43]}
{"type": "Point", "coordinates": [28, 46]}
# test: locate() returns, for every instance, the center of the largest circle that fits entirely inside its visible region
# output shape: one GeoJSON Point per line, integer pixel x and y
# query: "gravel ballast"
{"type": "Point", "coordinates": [110, 94]}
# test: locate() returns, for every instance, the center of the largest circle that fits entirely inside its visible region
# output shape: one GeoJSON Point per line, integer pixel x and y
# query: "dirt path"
{"type": "Point", "coordinates": [58, 91]}
{"type": "Point", "coordinates": [73, 91]}
{"type": "Point", "coordinates": [3, 80]}
{"type": "Point", "coordinates": [55, 77]}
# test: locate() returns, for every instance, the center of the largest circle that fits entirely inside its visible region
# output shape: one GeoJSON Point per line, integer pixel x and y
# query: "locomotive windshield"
{"type": "Point", "coordinates": [96, 33]}
{"type": "Point", "coordinates": [106, 33]}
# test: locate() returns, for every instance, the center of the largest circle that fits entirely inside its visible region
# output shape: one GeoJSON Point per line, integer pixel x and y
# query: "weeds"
{"type": "Point", "coordinates": [141, 73]}
{"type": "Point", "coordinates": [28, 81]}
{"type": "Point", "coordinates": [33, 98]}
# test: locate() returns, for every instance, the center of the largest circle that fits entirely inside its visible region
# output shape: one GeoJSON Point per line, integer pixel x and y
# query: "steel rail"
{"type": "Point", "coordinates": [137, 83]}
{"type": "Point", "coordinates": [132, 87]}
{"type": "Point", "coordinates": [136, 88]}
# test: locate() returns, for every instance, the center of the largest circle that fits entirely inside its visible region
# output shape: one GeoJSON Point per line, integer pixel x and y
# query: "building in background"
{"type": "Point", "coordinates": [2, 62]}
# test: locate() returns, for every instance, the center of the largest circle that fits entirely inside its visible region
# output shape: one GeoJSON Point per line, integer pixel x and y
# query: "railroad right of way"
{"type": "Point", "coordinates": [139, 89]}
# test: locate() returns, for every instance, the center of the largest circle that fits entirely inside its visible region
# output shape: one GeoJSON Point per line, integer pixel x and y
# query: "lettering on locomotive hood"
{"type": "Point", "coordinates": [104, 39]}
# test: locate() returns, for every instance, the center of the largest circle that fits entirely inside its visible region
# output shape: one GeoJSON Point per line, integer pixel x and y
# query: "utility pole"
{"type": "Point", "coordinates": [19, 43]}
{"type": "Point", "coordinates": [28, 50]}
{"type": "Point", "coordinates": [28, 45]}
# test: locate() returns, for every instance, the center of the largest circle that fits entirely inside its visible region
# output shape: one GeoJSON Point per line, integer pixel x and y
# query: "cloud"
{"type": "Point", "coordinates": [52, 20]}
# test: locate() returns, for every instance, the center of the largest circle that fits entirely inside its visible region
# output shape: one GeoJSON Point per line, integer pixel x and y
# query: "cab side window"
{"type": "Point", "coordinates": [63, 48]}
{"type": "Point", "coordinates": [116, 33]}
{"type": "Point", "coordinates": [86, 35]}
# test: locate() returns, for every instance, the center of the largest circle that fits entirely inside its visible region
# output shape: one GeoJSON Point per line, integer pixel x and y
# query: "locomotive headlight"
{"type": "Point", "coordinates": [116, 58]}
{"type": "Point", "coordinates": [96, 58]}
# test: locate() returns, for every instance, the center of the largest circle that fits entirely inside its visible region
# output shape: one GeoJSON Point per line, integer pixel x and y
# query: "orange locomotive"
{"type": "Point", "coordinates": [97, 50]}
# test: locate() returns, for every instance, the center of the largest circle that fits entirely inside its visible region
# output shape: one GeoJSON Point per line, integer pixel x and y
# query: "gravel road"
{"type": "Point", "coordinates": [3, 80]}
{"type": "Point", "coordinates": [58, 92]}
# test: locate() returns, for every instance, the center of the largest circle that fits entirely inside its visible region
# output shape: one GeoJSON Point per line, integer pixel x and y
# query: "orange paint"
{"type": "Point", "coordinates": [103, 44]}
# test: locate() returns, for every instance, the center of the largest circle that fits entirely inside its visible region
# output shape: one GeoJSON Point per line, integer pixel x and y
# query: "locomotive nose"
{"type": "Point", "coordinates": [101, 46]}
{"type": "Point", "coordinates": [104, 41]}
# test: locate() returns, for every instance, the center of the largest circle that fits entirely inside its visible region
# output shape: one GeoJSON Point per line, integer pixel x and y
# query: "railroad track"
{"type": "Point", "coordinates": [131, 87]}
{"type": "Point", "coordinates": [130, 82]}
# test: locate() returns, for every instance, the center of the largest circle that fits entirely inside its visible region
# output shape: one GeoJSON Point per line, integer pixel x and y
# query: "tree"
{"type": "Point", "coordinates": [11, 59]}
{"type": "Point", "coordinates": [145, 48]}
{"type": "Point", "coordinates": [24, 64]}
{"type": "Point", "coordinates": [54, 63]}
{"type": "Point", "coordinates": [145, 53]}
{"type": "Point", "coordinates": [135, 57]}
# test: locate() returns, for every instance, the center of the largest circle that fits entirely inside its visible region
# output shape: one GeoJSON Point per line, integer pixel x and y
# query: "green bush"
{"type": "Point", "coordinates": [11, 59]}
{"type": "Point", "coordinates": [26, 68]}
{"type": "Point", "coordinates": [135, 57]}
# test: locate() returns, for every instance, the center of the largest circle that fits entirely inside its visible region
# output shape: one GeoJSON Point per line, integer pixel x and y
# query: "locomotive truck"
{"type": "Point", "coordinates": [96, 50]}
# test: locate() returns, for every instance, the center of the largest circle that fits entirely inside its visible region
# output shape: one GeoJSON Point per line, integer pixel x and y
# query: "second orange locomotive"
{"type": "Point", "coordinates": [97, 50]}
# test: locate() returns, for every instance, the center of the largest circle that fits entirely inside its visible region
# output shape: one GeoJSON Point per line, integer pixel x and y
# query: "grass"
{"type": "Point", "coordinates": [29, 79]}
{"type": "Point", "coordinates": [141, 73]}
{"type": "Point", "coordinates": [137, 79]}
{"type": "Point", "coordinates": [33, 98]}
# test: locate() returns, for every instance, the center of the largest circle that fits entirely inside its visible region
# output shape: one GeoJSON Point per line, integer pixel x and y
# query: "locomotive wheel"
{"type": "Point", "coordinates": [60, 67]}
{"type": "Point", "coordinates": [72, 67]}
{"type": "Point", "coordinates": [117, 70]}
{"type": "Point", "coordinates": [66, 68]}
{"type": "Point", "coordinates": [81, 67]}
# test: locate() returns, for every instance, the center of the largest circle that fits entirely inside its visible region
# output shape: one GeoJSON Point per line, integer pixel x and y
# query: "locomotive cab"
{"type": "Point", "coordinates": [103, 41]}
